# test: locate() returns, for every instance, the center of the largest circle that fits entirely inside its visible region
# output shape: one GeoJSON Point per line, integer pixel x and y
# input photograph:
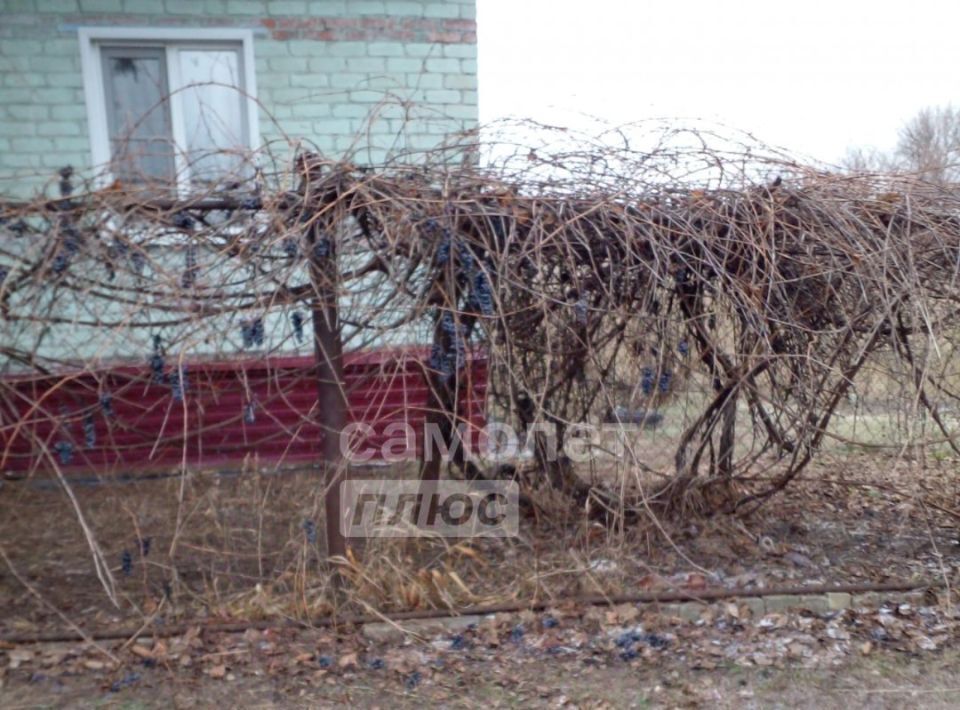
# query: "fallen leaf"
{"type": "Point", "coordinates": [18, 657]}
{"type": "Point", "coordinates": [141, 651]}
{"type": "Point", "coordinates": [348, 660]}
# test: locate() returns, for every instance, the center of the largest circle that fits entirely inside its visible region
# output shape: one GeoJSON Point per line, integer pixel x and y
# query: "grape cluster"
{"type": "Point", "coordinates": [106, 404]}
{"type": "Point", "coordinates": [435, 361]}
{"type": "Point", "coordinates": [126, 563]}
{"type": "Point", "coordinates": [480, 298]}
{"type": "Point", "coordinates": [430, 229]}
{"type": "Point", "coordinates": [156, 360]}
{"type": "Point", "coordinates": [65, 186]}
{"type": "Point", "coordinates": [64, 450]}
{"type": "Point", "coordinates": [246, 332]}
{"type": "Point", "coordinates": [249, 413]}
{"type": "Point", "coordinates": [449, 361]}
{"type": "Point", "coordinates": [138, 261]}
{"type": "Point", "coordinates": [252, 332]}
{"type": "Point", "coordinates": [117, 249]}
{"type": "Point", "coordinates": [482, 295]}
{"type": "Point", "coordinates": [178, 383]}
{"type": "Point", "coordinates": [60, 263]}
{"type": "Point", "coordinates": [189, 277]}
{"type": "Point", "coordinates": [290, 247]}
{"type": "Point", "coordinates": [465, 257]}
{"type": "Point", "coordinates": [580, 312]}
{"type": "Point", "coordinates": [113, 255]}
{"type": "Point", "coordinates": [296, 320]}
{"type": "Point", "coordinates": [647, 380]}
{"type": "Point", "coordinates": [450, 357]}
{"type": "Point", "coordinates": [321, 249]}
{"type": "Point", "coordinates": [69, 249]}
{"type": "Point", "coordinates": [665, 379]}
{"type": "Point", "coordinates": [310, 530]}
{"type": "Point", "coordinates": [443, 251]}
{"type": "Point", "coordinates": [89, 431]}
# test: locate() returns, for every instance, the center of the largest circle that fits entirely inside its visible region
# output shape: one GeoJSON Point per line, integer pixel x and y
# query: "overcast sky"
{"type": "Point", "coordinates": [811, 76]}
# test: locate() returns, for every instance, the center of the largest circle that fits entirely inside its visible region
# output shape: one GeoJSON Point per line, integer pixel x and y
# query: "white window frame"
{"type": "Point", "coordinates": [93, 38]}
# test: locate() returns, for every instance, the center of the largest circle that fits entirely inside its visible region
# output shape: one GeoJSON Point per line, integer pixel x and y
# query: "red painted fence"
{"type": "Point", "coordinates": [219, 413]}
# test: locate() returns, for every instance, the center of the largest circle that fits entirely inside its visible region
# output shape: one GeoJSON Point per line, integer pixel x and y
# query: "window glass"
{"type": "Point", "coordinates": [214, 129]}
{"type": "Point", "coordinates": [138, 115]}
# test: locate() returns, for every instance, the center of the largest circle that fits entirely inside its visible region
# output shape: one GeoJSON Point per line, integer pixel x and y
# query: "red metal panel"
{"type": "Point", "coordinates": [145, 425]}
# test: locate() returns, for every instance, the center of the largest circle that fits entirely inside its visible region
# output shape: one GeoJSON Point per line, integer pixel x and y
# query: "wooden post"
{"type": "Point", "coordinates": [728, 436]}
{"type": "Point", "coordinates": [331, 394]}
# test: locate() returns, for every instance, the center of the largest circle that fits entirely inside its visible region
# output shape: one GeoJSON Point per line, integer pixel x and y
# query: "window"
{"type": "Point", "coordinates": [170, 107]}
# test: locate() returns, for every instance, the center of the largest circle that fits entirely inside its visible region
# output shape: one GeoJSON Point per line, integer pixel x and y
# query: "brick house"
{"type": "Point", "coordinates": [372, 78]}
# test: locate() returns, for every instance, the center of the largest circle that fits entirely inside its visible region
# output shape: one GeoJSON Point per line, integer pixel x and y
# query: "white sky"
{"type": "Point", "coordinates": [811, 76]}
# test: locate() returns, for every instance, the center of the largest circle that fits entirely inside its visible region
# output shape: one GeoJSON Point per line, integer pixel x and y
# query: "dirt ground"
{"type": "Point", "coordinates": [285, 671]}
{"type": "Point", "coordinates": [884, 683]}
{"type": "Point", "coordinates": [247, 549]}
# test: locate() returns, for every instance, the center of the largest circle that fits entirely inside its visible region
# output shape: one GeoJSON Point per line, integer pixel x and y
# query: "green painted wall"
{"type": "Point", "coordinates": [324, 70]}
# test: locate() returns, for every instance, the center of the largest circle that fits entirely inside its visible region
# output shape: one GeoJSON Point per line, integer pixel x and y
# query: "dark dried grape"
{"type": "Point", "coordinates": [182, 220]}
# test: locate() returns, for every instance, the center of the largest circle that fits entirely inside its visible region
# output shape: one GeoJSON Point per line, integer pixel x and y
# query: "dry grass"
{"type": "Point", "coordinates": [244, 551]}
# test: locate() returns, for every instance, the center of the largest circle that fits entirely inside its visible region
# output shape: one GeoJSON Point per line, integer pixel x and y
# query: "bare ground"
{"type": "Point", "coordinates": [437, 673]}
{"type": "Point", "coordinates": [243, 552]}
